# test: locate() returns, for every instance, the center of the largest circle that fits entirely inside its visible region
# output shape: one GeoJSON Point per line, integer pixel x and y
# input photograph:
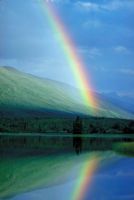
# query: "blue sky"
{"type": "Point", "coordinates": [103, 31]}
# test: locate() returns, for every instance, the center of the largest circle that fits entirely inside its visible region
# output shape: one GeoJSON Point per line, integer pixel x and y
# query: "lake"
{"type": "Point", "coordinates": [94, 176]}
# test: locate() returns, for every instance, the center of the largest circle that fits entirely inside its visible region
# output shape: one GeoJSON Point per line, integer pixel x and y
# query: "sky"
{"type": "Point", "coordinates": [102, 31]}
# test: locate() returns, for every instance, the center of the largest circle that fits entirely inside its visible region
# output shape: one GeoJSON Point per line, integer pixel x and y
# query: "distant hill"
{"type": "Point", "coordinates": [124, 102]}
{"type": "Point", "coordinates": [23, 94]}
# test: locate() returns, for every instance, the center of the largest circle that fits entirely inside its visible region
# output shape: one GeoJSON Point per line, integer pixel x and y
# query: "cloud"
{"type": "Point", "coordinates": [128, 94]}
{"type": "Point", "coordinates": [94, 52]}
{"type": "Point", "coordinates": [127, 71]}
{"type": "Point", "coordinates": [113, 5]}
{"type": "Point", "coordinates": [91, 52]}
{"type": "Point", "coordinates": [118, 4]}
{"type": "Point", "coordinates": [123, 71]}
{"type": "Point", "coordinates": [58, 1]}
{"type": "Point", "coordinates": [87, 5]}
{"type": "Point", "coordinates": [92, 23]}
{"type": "Point", "coordinates": [110, 5]}
{"type": "Point", "coordinates": [121, 49]}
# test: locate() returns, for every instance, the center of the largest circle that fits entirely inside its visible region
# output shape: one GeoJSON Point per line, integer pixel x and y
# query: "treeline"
{"type": "Point", "coordinates": [34, 125]}
{"type": "Point", "coordinates": [65, 125]}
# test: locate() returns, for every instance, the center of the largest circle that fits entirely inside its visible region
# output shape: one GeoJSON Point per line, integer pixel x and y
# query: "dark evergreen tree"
{"type": "Point", "coordinates": [77, 130]}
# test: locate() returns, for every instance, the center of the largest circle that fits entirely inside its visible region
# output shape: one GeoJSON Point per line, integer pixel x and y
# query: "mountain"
{"type": "Point", "coordinates": [125, 102]}
{"type": "Point", "coordinates": [23, 94]}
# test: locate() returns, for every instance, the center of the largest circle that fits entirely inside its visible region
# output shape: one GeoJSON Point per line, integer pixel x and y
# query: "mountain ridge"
{"type": "Point", "coordinates": [20, 90]}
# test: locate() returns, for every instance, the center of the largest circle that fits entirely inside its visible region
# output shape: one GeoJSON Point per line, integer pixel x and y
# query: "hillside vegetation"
{"type": "Point", "coordinates": [27, 95]}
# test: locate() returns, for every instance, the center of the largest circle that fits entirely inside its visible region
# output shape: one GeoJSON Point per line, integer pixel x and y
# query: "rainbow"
{"type": "Point", "coordinates": [74, 61]}
{"type": "Point", "coordinates": [85, 177]}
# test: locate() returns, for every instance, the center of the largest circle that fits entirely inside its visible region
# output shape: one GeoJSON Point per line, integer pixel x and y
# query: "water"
{"type": "Point", "coordinates": [112, 180]}
{"type": "Point", "coordinates": [69, 135]}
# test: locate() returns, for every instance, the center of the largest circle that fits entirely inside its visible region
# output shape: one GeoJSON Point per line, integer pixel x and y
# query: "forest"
{"type": "Point", "coordinates": [65, 124]}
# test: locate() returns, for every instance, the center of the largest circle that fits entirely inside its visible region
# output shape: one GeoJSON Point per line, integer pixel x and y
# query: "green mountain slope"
{"type": "Point", "coordinates": [25, 93]}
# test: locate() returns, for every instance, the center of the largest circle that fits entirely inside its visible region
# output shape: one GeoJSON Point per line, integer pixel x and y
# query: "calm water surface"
{"type": "Point", "coordinates": [114, 180]}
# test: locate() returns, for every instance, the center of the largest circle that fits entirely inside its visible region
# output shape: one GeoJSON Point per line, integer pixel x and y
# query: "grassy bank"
{"type": "Point", "coordinates": [126, 148]}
